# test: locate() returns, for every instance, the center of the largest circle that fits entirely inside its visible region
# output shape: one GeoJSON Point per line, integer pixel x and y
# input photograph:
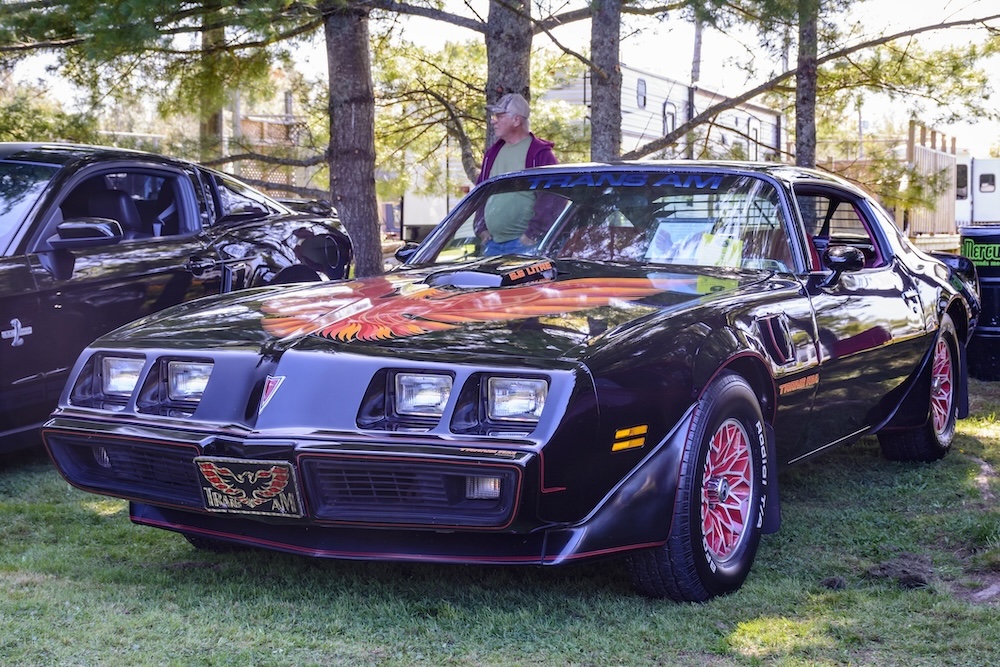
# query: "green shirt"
{"type": "Point", "coordinates": [508, 214]}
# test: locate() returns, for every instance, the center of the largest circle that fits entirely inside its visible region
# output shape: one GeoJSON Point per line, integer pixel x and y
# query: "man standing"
{"type": "Point", "coordinates": [510, 223]}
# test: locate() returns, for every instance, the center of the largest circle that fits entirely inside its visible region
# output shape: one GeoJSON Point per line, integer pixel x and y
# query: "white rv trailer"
{"type": "Point", "coordinates": [652, 106]}
{"type": "Point", "coordinates": [977, 214]}
{"type": "Point", "coordinates": [977, 196]}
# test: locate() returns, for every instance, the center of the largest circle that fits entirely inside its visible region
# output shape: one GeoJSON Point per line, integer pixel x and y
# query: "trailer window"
{"type": "Point", "coordinates": [987, 182]}
{"type": "Point", "coordinates": [961, 181]}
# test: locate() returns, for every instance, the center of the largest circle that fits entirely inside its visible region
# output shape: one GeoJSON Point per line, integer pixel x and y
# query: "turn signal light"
{"type": "Point", "coordinates": [630, 438]}
{"type": "Point", "coordinates": [482, 488]}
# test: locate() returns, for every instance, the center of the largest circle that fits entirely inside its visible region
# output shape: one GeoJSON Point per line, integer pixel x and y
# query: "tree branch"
{"type": "Point", "coordinates": [430, 13]}
{"type": "Point", "coordinates": [266, 159]}
{"type": "Point", "coordinates": [714, 110]}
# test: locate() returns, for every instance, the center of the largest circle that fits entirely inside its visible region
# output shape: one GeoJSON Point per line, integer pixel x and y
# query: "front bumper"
{"type": "Point", "coordinates": [335, 483]}
{"type": "Point", "coordinates": [350, 543]}
{"type": "Point", "coordinates": [367, 500]}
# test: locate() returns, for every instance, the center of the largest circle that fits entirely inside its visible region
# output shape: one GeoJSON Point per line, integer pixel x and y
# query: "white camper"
{"type": "Point", "coordinates": [977, 197]}
{"type": "Point", "coordinates": [977, 214]}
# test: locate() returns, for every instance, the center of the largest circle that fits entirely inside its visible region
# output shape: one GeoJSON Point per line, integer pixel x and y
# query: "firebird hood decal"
{"type": "Point", "coordinates": [393, 307]}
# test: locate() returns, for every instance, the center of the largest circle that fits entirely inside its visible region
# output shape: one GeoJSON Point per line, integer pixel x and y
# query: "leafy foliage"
{"type": "Point", "coordinates": [187, 55]}
{"type": "Point", "coordinates": [433, 100]}
{"type": "Point", "coordinates": [948, 82]}
{"type": "Point", "coordinates": [27, 113]}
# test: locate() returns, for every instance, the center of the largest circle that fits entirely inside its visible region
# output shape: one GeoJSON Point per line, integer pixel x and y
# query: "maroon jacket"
{"type": "Point", "coordinates": [539, 154]}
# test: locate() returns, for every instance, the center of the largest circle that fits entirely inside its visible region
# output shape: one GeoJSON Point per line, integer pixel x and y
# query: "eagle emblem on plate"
{"type": "Point", "coordinates": [249, 487]}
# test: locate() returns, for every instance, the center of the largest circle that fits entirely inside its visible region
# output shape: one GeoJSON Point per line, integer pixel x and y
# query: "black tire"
{"type": "Point", "coordinates": [932, 441]}
{"type": "Point", "coordinates": [719, 506]}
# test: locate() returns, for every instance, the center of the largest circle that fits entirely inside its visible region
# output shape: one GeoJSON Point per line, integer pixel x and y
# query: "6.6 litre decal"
{"type": "Point", "coordinates": [249, 487]}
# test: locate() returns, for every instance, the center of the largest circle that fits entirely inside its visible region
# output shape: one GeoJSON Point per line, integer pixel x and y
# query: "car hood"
{"type": "Point", "coordinates": [508, 306]}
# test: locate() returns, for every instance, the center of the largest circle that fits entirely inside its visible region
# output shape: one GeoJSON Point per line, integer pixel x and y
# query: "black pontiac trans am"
{"type": "Point", "coordinates": [94, 237]}
{"type": "Point", "coordinates": [629, 384]}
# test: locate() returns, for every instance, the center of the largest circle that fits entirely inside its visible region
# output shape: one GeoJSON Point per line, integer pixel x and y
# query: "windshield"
{"type": "Point", "coordinates": [20, 186]}
{"type": "Point", "coordinates": [656, 217]}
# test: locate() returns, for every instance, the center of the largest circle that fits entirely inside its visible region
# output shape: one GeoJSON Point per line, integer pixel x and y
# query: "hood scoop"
{"type": "Point", "coordinates": [496, 272]}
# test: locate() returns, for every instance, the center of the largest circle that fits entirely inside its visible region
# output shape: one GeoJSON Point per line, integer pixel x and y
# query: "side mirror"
{"type": "Point", "coordinates": [407, 251]}
{"type": "Point", "coordinates": [842, 259]}
{"type": "Point", "coordinates": [86, 232]}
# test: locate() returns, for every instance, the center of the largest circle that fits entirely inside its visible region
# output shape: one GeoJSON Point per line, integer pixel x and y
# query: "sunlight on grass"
{"type": "Point", "coordinates": [105, 506]}
{"type": "Point", "coordinates": [768, 637]}
{"type": "Point", "coordinates": [981, 426]}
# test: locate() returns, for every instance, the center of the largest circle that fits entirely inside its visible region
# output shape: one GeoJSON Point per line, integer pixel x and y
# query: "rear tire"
{"type": "Point", "coordinates": [932, 441]}
{"type": "Point", "coordinates": [719, 506]}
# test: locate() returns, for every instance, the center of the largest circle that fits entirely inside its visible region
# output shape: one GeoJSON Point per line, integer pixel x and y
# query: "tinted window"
{"type": "Point", "coordinates": [238, 200]}
{"type": "Point", "coordinates": [987, 183]}
{"type": "Point", "coordinates": [962, 181]}
{"type": "Point", "coordinates": [20, 186]}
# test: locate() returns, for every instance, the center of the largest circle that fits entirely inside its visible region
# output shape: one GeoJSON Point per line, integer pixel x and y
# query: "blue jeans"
{"type": "Point", "coordinates": [512, 247]}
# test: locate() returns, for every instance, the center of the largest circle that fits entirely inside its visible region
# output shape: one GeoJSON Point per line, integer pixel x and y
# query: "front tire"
{"type": "Point", "coordinates": [932, 441]}
{"type": "Point", "coordinates": [719, 506]}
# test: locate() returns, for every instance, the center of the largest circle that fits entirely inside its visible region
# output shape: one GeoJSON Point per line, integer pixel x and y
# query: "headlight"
{"type": "Point", "coordinates": [515, 399]}
{"type": "Point", "coordinates": [119, 375]}
{"type": "Point", "coordinates": [186, 380]}
{"type": "Point", "coordinates": [421, 394]}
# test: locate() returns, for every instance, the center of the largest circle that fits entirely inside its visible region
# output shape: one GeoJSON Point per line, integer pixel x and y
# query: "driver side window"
{"type": "Point", "coordinates": [833, 219]}
{"type": "Point", "coordinates": [145, 205]}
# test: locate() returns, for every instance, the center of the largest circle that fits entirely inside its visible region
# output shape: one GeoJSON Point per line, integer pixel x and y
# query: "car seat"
{"type": "Point", "coordinates": [167, 213]}
{"type": "Point", "coordinates": [117, 205]}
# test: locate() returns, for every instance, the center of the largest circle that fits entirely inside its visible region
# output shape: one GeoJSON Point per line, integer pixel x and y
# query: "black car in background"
{"type": "Point", "coordinates": [92, 238]}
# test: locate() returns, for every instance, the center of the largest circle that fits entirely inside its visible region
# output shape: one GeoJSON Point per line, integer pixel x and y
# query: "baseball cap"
{"type": "Point", "coordinates": [510, 103]}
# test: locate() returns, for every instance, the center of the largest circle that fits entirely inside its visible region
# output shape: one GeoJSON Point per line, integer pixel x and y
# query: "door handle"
{"type": "Point", "coordinates": [199, 265]}
{"type": "Point", "coordinates": [911, 296]}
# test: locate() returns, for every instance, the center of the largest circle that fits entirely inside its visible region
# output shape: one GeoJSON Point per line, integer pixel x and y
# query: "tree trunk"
{"type": "Point", "coordinates": [508, 52]}
{"type": "Point", "coordinates": [805, 84]}
{"type": "Point", "coordinates": [606, 81]}
{"type": "Point", "coordinates": [210, 114]}
{"type": "Point", "coordinates": [351, 154]}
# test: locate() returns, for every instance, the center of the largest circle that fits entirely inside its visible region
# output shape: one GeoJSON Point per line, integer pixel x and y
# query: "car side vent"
{"type": "Point", "coordinates": [776, 338]}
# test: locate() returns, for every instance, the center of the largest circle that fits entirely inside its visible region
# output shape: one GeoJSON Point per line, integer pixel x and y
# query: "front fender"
{"type": "Point", "coordinates": [638, 512]}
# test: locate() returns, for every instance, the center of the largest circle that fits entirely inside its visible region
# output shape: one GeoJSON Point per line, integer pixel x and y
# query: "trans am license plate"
{"type": "Point", "coordinates": [249, 487]}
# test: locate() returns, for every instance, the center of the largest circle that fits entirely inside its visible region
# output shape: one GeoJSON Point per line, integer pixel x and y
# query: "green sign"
{"type": "Point", "coordinates": [981, 254]}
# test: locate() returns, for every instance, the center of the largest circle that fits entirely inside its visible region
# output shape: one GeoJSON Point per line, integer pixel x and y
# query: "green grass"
{"type": "Point", "coordinates": [877, 563]}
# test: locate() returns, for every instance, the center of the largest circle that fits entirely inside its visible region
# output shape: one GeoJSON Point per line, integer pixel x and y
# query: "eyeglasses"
{"type": "Point", "coordinates": [498, 116]}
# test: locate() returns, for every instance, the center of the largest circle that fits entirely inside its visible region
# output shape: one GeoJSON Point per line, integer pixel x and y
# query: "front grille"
{"type": "Point", "coordinates": [410, 493]}
{"type": "Point", "coordinates": [387, 487]}
{"type": "Point", "coordinates": [130, 469]}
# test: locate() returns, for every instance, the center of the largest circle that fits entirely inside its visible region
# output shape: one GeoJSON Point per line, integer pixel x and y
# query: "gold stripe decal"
{"type": "Point", "coordinates": [802, 383]}
{"type": "Point", "coordinates": [630, 438]}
